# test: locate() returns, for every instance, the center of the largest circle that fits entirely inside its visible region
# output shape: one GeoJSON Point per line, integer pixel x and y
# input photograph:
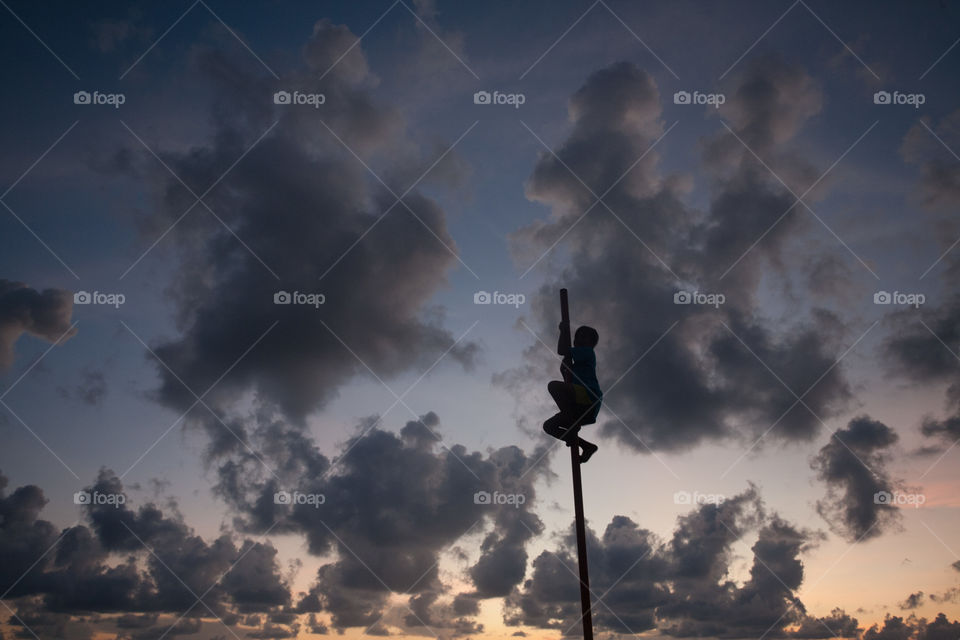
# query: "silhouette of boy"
{"type": "Point", "coordinates": [579, 396]}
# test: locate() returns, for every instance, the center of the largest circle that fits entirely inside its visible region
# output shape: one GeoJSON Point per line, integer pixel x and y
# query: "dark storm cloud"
{"type": "Point", "coordinates": [182, 563]}
{"type": "Point", "coordinates": [940, 628]}
{"type": "Point", "coordinates": [913, 601]}
{"type": "Point", "coordinates": [44, 314]}
{"type": "Point", "coordinates": [271, 630]}
{"type": "Point", "coordinates": [918, 353]}
{"type": "Point", "coordinates": [391, 506]}
{"type": "Point", "coordinates": [913, 628]}
{"type": "Point", "coordinates": [680, 586]}
{"type": "Point", "coordinates": [700, 381]}
{"type": "Point", "coordinates": [919, 349]}
{"type": "Point", "coordinates": [304, 204]}
{"type": "Point", "coordinates": [947, 429]}
{"type": "Point", "coordinates": [127, 561]}
{"type": "Point", "coordinates": [32, 621]}
{"type": "Point", "coordinates": [837, 625]}
{"type": "Point", "coordinates": [950, 595]}
{"type": "Point", "coordinates": [894, 628]}
{"type": "Point", "coordinates": [853, 467]}
{"type": "Point", "coordinates": [299, 200]}
{"type": "Point", "coordinates": [316, 626]}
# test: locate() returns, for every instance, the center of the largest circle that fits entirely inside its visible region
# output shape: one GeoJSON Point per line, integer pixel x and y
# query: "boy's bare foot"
{"type": "Point", "coordinates": [588, 450]}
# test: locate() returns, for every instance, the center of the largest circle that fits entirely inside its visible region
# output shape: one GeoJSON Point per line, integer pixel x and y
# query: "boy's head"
{"type": "Point", "coordinates": [586, 337]}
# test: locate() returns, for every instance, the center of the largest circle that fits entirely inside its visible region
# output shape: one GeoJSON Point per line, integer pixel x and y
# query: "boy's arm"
{"type": "Point", "coordinates": [563, 343]}
{"type": "Point", "coordinates": [563, 348]}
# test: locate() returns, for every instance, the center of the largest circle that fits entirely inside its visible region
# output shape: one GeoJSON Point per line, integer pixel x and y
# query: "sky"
{"type": "Point", "coordinates": [279, 305]}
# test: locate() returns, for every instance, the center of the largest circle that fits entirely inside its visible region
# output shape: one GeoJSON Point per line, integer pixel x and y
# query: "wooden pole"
{"type": "Point", "coordinates": [578, 498]}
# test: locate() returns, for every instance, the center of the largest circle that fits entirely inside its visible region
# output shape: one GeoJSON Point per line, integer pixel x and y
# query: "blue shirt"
{"type": "Point", "coordinates": [584, 369]}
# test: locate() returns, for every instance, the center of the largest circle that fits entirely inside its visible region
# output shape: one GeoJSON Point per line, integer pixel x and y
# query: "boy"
{"type": "Point", "coordinates": [578, 397]}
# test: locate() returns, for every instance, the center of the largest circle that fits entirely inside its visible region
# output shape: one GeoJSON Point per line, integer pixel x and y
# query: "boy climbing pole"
{"type": "Point", "coordinates": [578, 396]}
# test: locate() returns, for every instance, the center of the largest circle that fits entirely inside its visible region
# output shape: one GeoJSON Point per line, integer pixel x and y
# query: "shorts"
{"type": "Point", "coordinates": [582, 395]}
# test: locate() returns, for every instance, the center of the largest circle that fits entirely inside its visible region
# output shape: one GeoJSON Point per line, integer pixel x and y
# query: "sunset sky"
{"type": "Point", "coordinates": [312, 250]}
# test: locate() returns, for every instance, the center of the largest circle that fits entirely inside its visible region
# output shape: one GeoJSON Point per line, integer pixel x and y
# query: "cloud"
{"type": "Point", "coordinates": [853, 466]}
{"type": "Point", "coordinates": [691, 373]}
{"type": "Point", "coordinates": [44, 314]}
{"type": "Point", "coordinates": [917, 352]}
{"type": "Point", "coordinates": [679, 586]}
{"type": "Point", "coordinates": [941, 628]}
{"type": "Point", "coordinates": [304, 215]}
{"type": "Point", "coordinates": [950, 595]}
{"type": "Point", "coordinates": [918, 348]}
{"type": "Point", "coordinates": [313, 220]}
{"type": "Point", "coordinates": [134, 562]}
{"type": "Point", "coordinates": [837, 625]}
{"type": "Point", "coordinates": [913, 601]}
{"type": "Point", "coordinates": [388, 535]}
{"type": "Point", "coordinates": [896, 628]}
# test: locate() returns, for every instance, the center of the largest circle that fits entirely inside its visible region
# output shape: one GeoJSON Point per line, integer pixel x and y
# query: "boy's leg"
{"type": "Point", "coordinates": [555, 426]}
{"type": "Point", "coordinates": [588, 449]}
{"type": "Point", "coordinates": [559, 427]}
{"type": "Point", "coordinates": [564, 395]}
